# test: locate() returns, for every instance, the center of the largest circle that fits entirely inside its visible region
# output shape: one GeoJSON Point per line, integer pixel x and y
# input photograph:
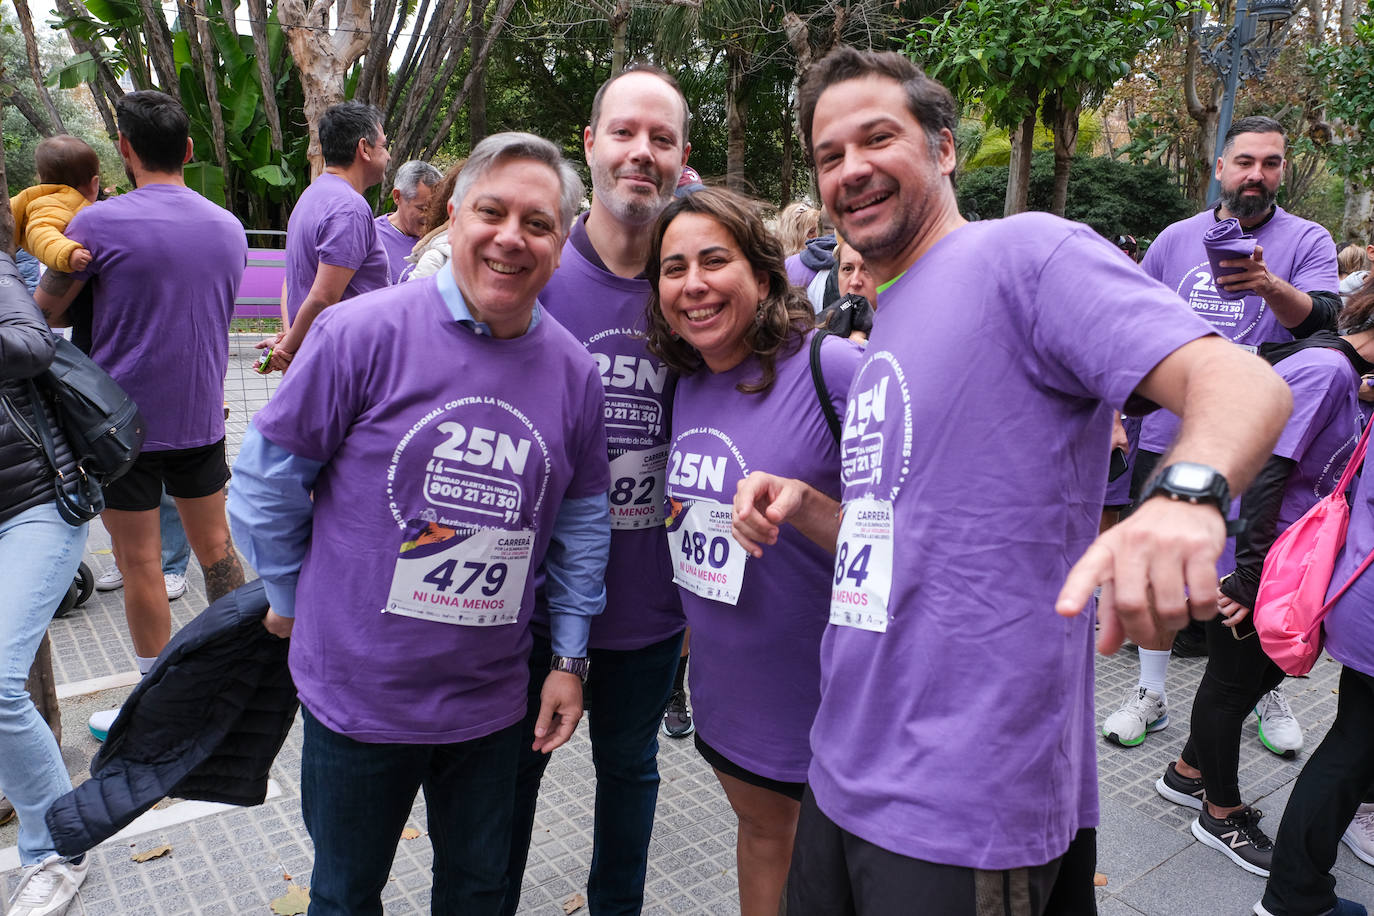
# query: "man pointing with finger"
{"type": "Point", "coordinates": [953, 751]}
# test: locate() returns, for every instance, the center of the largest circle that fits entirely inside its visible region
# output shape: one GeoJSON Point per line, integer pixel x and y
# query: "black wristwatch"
{"type": "Point", "coordinates": [578, 666]}
{"type": "Point", "coordinates": [1195, 483]}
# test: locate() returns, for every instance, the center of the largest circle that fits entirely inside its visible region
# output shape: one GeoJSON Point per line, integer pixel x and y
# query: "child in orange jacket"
{"type": "Point", "coordinates": [69, 176]}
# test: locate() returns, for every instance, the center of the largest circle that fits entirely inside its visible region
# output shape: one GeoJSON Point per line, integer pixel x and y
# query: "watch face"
{"type": "Point", "coordinates": [1191, 477]}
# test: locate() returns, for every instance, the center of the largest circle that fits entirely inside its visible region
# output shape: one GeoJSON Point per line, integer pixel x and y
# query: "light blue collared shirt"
{"type": "Point", "coordinates": [271, 513]}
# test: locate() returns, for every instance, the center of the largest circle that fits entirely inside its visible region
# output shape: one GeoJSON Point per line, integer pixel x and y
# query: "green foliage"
{"type": "Point", "coordinates": [1109, 195]}
{"type": "Point", "coordinates": [1006, 54]}
{"type": "Point", "coordinates": [1348, 72]}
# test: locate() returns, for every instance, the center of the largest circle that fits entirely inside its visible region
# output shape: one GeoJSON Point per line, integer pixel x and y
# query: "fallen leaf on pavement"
{"type": "Point", "coordinates": [154, 853]}
{"type": "Point", "coordinates": [409, 833]}
{"type": "Point", "coordinates": [295, 901]}
{"type": "Point", "coordinates": [1099, 880]}
{"type": "Point", "coordinates": [574, 903]}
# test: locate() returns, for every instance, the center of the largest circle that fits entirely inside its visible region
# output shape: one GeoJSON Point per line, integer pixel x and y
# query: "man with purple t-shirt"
{"type": "Point", "coordinates": [1289, 286]}
{"type": "Point", "coordinates": [636, 145]}
{"type": "Point", "coordinates": [397, 495]}
{"type": "Point", "coordinates": [165, 267]}
{"type": "Point", "coordinates": [953, 754]}
{"type": "Point", "coordinates": [399, 231]}
{"type": "Point", "coordinates": [332, 248]}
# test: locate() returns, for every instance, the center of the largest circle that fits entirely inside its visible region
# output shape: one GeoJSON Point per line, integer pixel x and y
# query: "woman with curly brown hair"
{"type": "Point", "coordinates": [722, 314]}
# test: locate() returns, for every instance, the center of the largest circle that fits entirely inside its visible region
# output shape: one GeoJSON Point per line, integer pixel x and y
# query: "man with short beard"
{"type": "Point", "coordinates": [636, 146]}
{"type": "Point", "coordinates": [1291, 281]}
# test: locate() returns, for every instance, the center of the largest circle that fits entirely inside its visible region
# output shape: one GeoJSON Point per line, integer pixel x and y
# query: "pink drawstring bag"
{"type": "Point", "coordinates": [1291, 602]}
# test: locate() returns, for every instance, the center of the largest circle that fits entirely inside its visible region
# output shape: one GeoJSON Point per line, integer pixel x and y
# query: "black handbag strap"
{"type": "Point", "coordinates": [87, 488]}
{"type": "Point", "coordinates": [832, 419]}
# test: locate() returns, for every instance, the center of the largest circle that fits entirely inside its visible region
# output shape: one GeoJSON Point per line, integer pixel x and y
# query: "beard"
{"type": "Point", "coordinates": [1243, 207]}
{"type": "Point", "coordinates": [631, 209]}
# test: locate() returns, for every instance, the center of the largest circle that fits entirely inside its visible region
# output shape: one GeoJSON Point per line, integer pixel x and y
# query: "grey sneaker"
{"type": "Point", "coordinates": [677, 717]}
{"type": "Point", "coordinates": [1238, 837]}
{"type": "Point", "coordinates": [47, 888]}
{"type": "Point", "coordinates": [109, 581]}
{"type": "Point", "coordinates": [1279, 730]}
{"type": "Point", "coordinates": [1180, 789]}
{"type": "Point", "coordinates": [1143, 712]}
{"type": "Point", "coordinates": [1359, 836]}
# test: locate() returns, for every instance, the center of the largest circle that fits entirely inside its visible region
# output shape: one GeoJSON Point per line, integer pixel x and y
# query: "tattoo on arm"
{"type": "Point", "coordinates": [223, 576]}
{"type": "Point", "coordinates": [55, 283]}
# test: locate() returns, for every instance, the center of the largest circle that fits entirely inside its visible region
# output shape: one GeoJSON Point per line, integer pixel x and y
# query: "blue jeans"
{"type": "Point", "coordinates": [176, 552]}
{"type": "Point", "coordinates": [39, 554]}
{"type": "Point", "coordinates": [626, 694]}
{"type": "Point", "coordinates": [355, 798]}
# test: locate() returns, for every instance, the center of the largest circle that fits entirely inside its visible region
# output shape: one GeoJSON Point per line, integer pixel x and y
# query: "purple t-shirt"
{"type": "Point", "coordinates": [798, 274]}
{"type": "Point", "coordinates": [332, 224]}
{"type": "Point", "coordinates": [429, 432]}
{"type": "Point", "coordinates": [1323, 429]}
{"type": "Point", "coordinates": [396, 244]}
{"type": "Point", "coordinates": [165, 268]}
{"type": "Point", "coordinates": [1349, 625]}
{"type": "Point", "coordinates": [964, 734]}
{"type": "Point", "coordinates": [756, 678]}
{"type": "Point", "coordinates": [1296, 250]}
{"type": "Point", "coordinates": [605, 313]}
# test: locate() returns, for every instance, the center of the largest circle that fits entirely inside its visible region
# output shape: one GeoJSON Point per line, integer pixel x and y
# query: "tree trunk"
{"type": "Point", "coordinates": [36, 118]}
{"type": "Point", "coordinates": [108, 86]}
{"type": "Point", "coordinates": [257, 21]}
{"type": "Point", "coordinates": [477, 99]}
{"type": "Point", "coordinates": [734, 118]}
{"type": "Point", "coordinates": [619, 21]}
{"type": "Point", "coordinates": [42, 685]}
{"type": "Point", "coordinates": [203, 55]}
{"type": "Point", "coordinates": [1065, 127]}
{"type": "Point", "coordinates": [1204, 110]}
{"type": "Point", "coordinates": [6, 214]}
{"type": "Point", "coordinates": [1356, 222]}
{"type": "Point", "coordinates": [159, 39]}
{"type": "Point", "coordinates": [1018, 171]}
{"type": "Point", "coordinates": [323, 57]}
{"type": "Point", "coordinates": [35, 66]}
{"type": "Point", "coordinates": [785, 172]}
{"type": "Point", "coordinates": [493, 31]}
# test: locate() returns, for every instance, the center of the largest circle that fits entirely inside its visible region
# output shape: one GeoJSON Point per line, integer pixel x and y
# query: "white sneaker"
{"type": "Point", "coordinates": [1144, 711]}
{"type": "Point", "coordinates": [101, 721]}
{"type": "Point", "coordinates": [108, 582]}
{"type": "Point", "coordinates": [47, 887]}
{"type": "Point", "coordinates": [1359, 836]}
{"type": "Point", "coordinates": [1278, 728]}
{"type": "Point", "coordinates": [176, 585]}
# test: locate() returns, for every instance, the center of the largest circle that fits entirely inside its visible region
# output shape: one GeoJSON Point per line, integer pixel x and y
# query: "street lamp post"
{"type": "Point", "coordinates": [1237, 57]}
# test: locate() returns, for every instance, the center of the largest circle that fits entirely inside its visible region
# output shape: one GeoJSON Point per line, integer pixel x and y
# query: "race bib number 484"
{"type": "Point", "coordinates": [862, 584]}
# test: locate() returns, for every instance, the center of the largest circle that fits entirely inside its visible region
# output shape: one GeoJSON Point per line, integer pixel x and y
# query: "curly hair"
{"type": "Point", "coordinates": [784, 316]}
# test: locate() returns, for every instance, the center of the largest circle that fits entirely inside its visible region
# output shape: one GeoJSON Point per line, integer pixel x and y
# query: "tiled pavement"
{"type": "Point", "coordinates": [234, 861]}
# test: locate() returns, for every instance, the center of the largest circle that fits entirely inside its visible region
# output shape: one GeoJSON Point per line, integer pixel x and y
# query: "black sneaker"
{"type": "Point", "coordinates": [1238, 837]}
{"type": "Point", "coordinates": [1191, 641]}
{"type": "Point", "coordinates": [1180, 789]}
{"type": "Point", "coordinates": [677, 717]}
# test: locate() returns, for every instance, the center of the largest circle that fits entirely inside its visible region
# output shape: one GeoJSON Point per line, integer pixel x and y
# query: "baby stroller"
{"type": "Point", "coordinates": [83, 585]}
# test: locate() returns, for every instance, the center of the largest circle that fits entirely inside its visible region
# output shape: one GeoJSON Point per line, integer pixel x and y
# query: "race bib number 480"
{"type": "Point", "coordinates": [473, 581]}
{"type": "Point", "coordinates": [862, 584]}
{"type": "Point", "coordinates": [707, 560]}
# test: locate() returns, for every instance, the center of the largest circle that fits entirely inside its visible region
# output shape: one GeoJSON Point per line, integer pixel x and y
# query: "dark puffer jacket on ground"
{"type": "Point", "coordinates": [205, 723]}
{"type": "Point", "coordinates": [26, 349]}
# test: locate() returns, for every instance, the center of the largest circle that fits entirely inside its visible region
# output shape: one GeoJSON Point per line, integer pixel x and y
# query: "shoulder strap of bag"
{"type": "Point", "coordinates": [818, 379]}
{"type": "Point", "coordinates": [86, 500]}
{"type": "Point", "coordinates": [1356, 459]}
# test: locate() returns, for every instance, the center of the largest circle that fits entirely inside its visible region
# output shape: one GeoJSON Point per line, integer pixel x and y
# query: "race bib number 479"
{"type": "Point", "coordinates": [473, 581]}
{"type": "Point", "coordinates": [862, 584]}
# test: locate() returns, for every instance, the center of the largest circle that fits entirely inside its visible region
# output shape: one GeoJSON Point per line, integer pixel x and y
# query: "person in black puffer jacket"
{"type": "Point", "coordinates": [39, 554]}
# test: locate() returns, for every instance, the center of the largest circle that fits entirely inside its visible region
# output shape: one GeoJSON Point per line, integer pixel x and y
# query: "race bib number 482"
{"type": "Point", "coordinates": [862, 584]}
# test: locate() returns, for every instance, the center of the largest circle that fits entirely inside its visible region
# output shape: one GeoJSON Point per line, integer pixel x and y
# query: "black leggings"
{"type": "Point", "coordinates": [1328, 791]}
{"type": "Point", "coordinates": [1238, 674]}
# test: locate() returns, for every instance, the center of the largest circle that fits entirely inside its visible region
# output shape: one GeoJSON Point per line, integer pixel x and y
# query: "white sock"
{"type": "Point", "coordinates": [146, 664]}
{"type": "Point", "coordinates": [1154, 666]}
